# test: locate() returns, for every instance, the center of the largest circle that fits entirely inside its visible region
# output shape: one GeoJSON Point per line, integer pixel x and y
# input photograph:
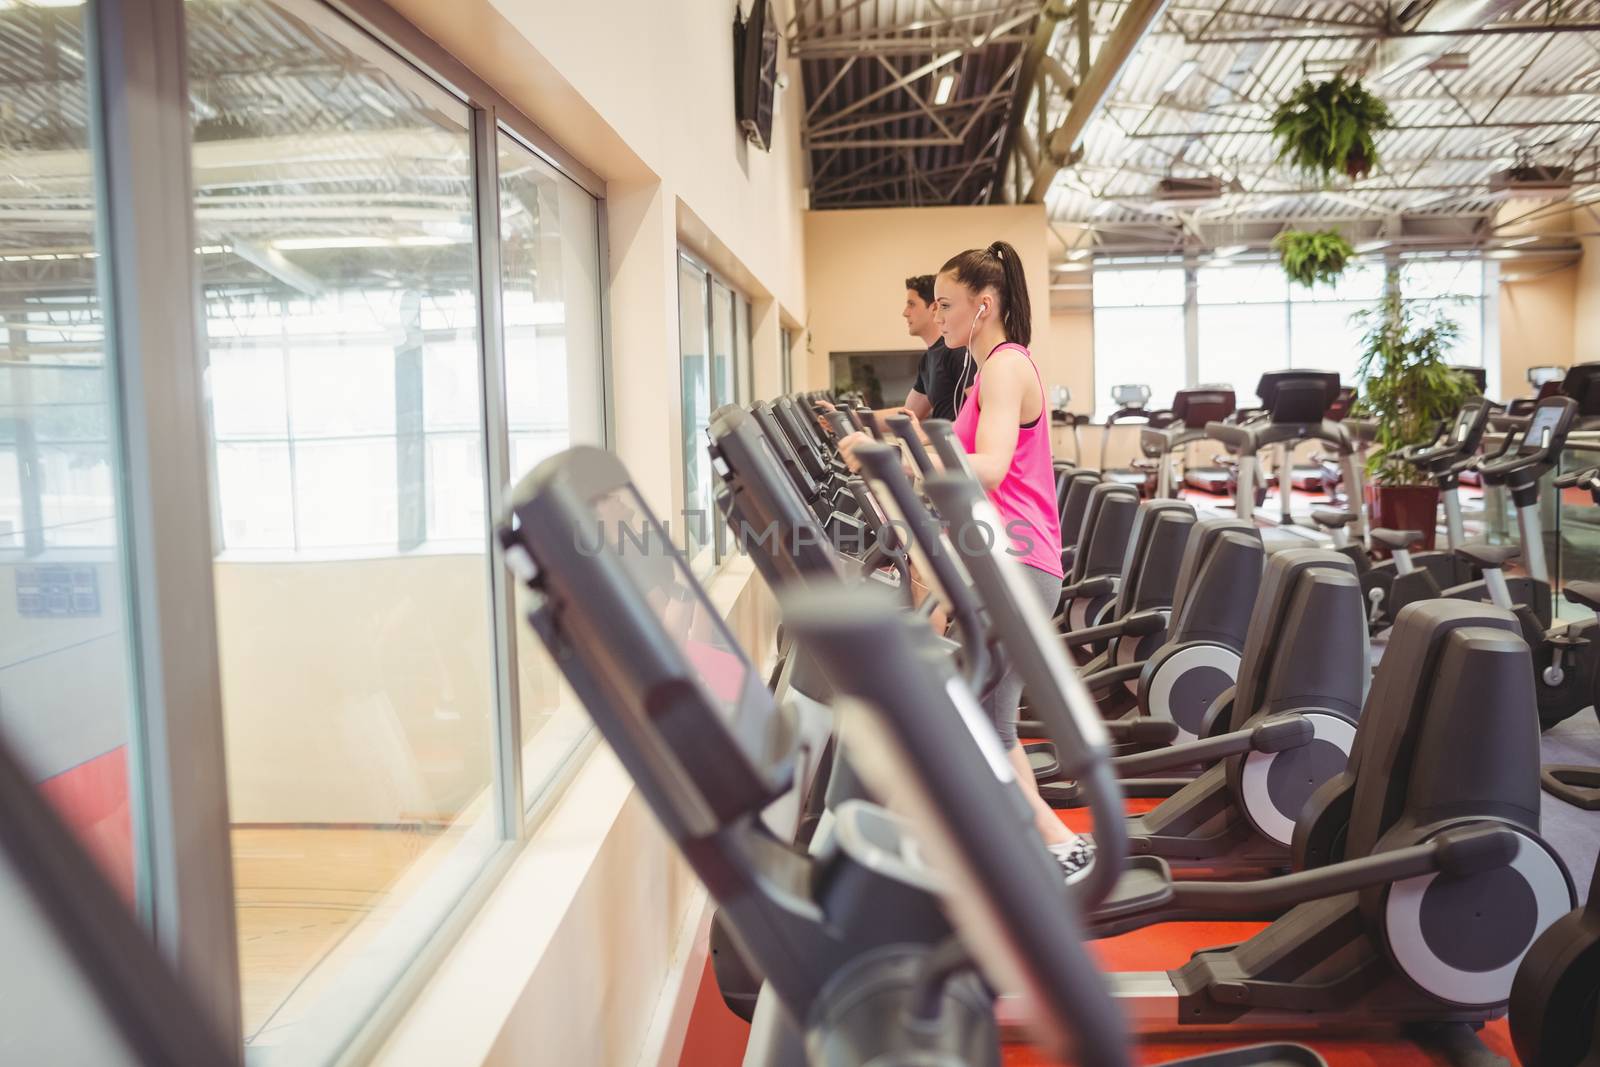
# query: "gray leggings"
{"type": "Point", "coordinates": [1002, 701]}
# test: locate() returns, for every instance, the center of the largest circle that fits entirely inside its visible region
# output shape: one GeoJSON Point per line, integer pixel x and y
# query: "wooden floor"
{"type": "Point", "coordinates": [302, 894]}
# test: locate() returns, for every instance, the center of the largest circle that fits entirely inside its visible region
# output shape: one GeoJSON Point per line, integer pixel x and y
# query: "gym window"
{"type": "Point", "coordinates": [714, 369]}
{"type": "Point", "coordinates": [1249, 320]}
{"type": "Point", "coordinates": [400, 316]}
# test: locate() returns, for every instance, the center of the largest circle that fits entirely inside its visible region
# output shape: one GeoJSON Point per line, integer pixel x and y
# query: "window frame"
{"type": "Point", "coordinates": [741, 368]}
{"type": "Point", "coordinates": [139, 116]}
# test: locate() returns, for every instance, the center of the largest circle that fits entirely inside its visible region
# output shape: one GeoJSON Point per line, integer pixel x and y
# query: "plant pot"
{"type": "Point", "coordinates": [1404, 507]}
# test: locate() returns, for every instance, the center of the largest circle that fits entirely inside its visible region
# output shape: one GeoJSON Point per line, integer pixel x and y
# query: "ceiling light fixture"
{"type": "Point", "coordinates": [1409, 66]}
{"type": "Point", "coordinates": [1228, 251]}
{"type": "Point", "coordinates": [947, 85]}
{"type": "Point", "coordinates": [375, 104]}
{"type": "Point", "coordinates": [317, 244]}
{"type": "Point", "coordinates": [1181, 75]}
{"type": "Point", "coordinates": [1371, 246]}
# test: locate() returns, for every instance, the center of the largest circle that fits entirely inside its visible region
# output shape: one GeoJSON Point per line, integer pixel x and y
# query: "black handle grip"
{"type": "Point", "coordinates": [1235, 437]}
{"type": "Point", "coordinates": [1282, 734]}
{"type": "Point", "coordinates": [1148, 733]}
{"type": "Point", "coordinates": [906, 430]}
{"type": "Point", "coordinates": [1513, 463]}
{"type": "Point", "coordinates": [1144, 623]}
{"type": "Point", "coordinates": [1475, 849]}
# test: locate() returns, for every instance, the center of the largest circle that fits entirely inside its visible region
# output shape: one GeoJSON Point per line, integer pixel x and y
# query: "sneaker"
{"type": "Point", "coordinates": [1075, 856]}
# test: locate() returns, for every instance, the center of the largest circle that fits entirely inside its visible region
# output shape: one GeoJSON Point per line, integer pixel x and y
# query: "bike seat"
{"type": "Point", "coordinates": [1333, 518]}
{"type": "Point", "coordinates": [1394, 539]}
{"type": "Point", "coordinates": [1489, 557]}
{"type": "Point", "coordinates": [1585, 594]}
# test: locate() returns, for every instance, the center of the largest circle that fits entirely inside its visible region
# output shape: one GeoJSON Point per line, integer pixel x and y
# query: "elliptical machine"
{"type": "Point", "coordinates": [1133, 405]}
{"type": "Point", "coordinates": [1555, 1014]}
{"type": "Point", "coordinates": [1192, 409]}
{"type": "Point", "coordinates": [1535, 451]}
{"type": "Point", "coordinates": [1296, 405]}
{"type": "Point", "coordinates": [1453, 449]}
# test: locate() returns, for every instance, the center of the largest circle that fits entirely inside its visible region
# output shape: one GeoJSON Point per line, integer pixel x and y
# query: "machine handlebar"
{"type": "Point", "coordinates": [903, 428]}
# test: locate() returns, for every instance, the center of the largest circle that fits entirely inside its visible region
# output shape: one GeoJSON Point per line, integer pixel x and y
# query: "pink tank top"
{"type": "Point", "coordinates": [1026, 497]}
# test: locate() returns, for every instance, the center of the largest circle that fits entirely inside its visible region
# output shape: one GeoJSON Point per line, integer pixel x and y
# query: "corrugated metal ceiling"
{"type": "Point", "coordinates": [1527, 82]}
{"type": "Point", "coordinates": [1523, 84]}
{"type": "Point", "coordinates": [875, 134]}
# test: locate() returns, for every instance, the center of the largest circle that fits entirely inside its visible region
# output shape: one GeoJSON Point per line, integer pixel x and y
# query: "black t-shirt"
{"type": "Point", "coordinates": [940, 375]}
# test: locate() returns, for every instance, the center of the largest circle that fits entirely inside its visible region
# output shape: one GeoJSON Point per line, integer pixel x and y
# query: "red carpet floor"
{"type": "Point", "coordinates": [716, 1037]}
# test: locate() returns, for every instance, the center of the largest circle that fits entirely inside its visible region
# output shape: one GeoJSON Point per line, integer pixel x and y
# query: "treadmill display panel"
{"type": "Point", "coordinates": [1541, 427]}
{"type": "Point", "coordinates": [642, 546]}
{"type": "Point", "coordinates": [784, 486]}
{"type": "Point", "coordinates": [785, 454]}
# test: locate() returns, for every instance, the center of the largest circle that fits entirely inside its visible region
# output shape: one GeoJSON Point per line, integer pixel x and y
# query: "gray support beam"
{"type": "Point", "coordinates": [1266, 131]}
{"type": "Point", "coordinates": [1058, 73]}
{"type": "Point", "coordinates": [1044, 32]}
{"type": "Point", "coordinates": [1094, 89]}
{"type": "Point", "coordinates": [1282, 35]}
{"type": "Point", "coordinates": [140, 129]}
{"type": "Point", "coordinates": [276, 264]}
{"type": "Point", "coordinates": [1029, 151]}
{"type": "Point", "coordinates": [887, 142]}
{"type": "Point", "coordinates": [410, 444]}
{"type": "Point", "coordinates": [1191, 322]}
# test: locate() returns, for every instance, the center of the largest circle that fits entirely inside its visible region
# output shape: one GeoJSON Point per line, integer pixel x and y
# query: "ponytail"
{"type": "Point", "coordinates": [998, 267]}
{"type": "Point", "coordinates": [1016, 314]}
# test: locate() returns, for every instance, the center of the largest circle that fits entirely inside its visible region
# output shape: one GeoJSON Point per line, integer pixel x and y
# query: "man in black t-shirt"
{"type": "Point", "coordinates": [942, 382]}
{"type": "Point", "coordinates": [943, 376]}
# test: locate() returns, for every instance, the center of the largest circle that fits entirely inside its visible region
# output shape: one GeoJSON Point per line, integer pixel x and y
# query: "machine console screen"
{"type": "Point", "coordinates": [631, 534]}
{"type": "Point", "coordinates": [1541, 427]}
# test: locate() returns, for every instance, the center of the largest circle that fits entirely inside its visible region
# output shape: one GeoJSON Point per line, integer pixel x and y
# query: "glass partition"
{"type": "Point", "coordinates": [549, 276]}
{"type": "Point", "coordinates": [695, 379]}
{"type": "Point", "coordinates": [336, 215]}
{"type": "Point", "coordinates": [66, 686]}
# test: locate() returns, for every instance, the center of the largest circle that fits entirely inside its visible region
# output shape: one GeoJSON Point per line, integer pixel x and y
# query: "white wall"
{"type": "Point", "coordinates": [1586, 304]}
{"type": "Point", "coordinates": [857, 263]}
{"type": "Point", "coordinates": [1538, 326]}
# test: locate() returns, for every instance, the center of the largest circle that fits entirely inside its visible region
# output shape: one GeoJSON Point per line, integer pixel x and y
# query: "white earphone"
{"type": "Point", "coordinates": [966, 363]}
{"type": "Point", "coordinates": [961, 382]}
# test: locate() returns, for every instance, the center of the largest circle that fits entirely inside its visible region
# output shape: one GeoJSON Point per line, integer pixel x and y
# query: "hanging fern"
{"type": "Point", "coordinates": [1327, 128]}
{"type": "Point", "coordinates": [1309, 257]}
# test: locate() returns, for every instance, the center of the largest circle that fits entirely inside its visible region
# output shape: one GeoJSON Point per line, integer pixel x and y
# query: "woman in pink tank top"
{"type": "Point", "coordinates": [981, 303]}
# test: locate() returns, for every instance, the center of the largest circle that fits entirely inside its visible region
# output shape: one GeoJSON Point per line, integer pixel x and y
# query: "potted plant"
{"type": "Point", "coordinates": [1312, 256]}
{"type": "Point", "coordinates": [1327, 128]}
{"type": "Point", "coordinates": [1407, 389]}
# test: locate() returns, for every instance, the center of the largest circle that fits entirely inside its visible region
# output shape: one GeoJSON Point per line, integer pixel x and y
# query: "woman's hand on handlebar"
{"type": "Point", "coordinates": [847, 449]}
